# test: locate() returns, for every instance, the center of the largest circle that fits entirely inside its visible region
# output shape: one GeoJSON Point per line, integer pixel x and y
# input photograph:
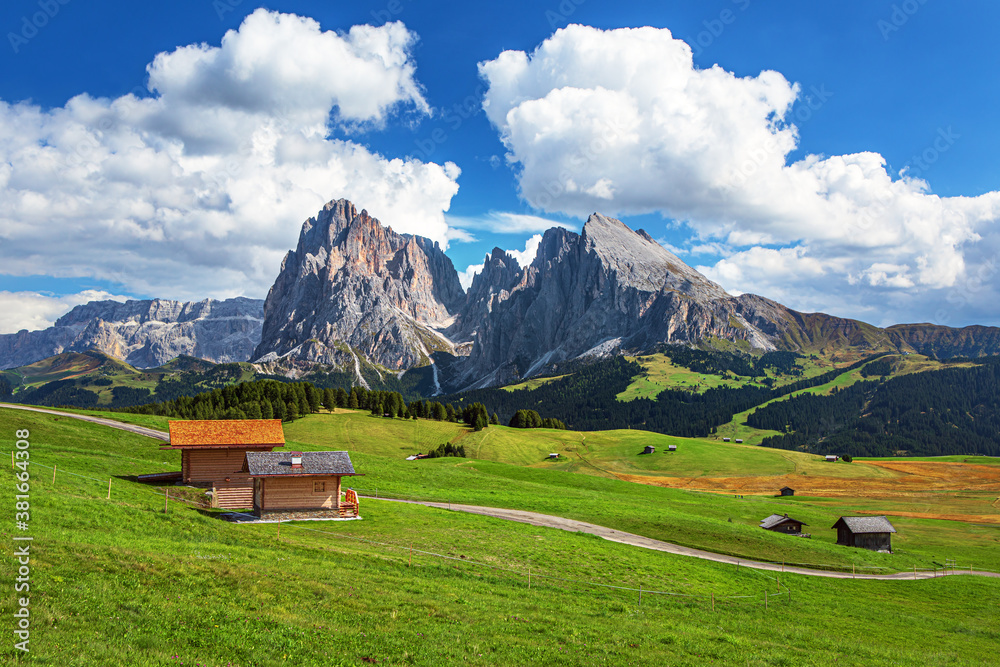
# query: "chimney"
{"type": "Point", "coordinates": [296, 459]}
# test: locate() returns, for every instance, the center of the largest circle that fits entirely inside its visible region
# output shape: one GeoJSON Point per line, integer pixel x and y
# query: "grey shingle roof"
{"type": "Point", "coordinates": [776, 520]}
{"type": "Point", "coordinates": [866, 524]}
{"type": "Point", "coordinates": [264, 464]}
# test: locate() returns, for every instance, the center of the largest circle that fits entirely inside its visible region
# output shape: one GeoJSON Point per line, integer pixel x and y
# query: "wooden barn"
{"type": "Point", "coordinates": [649, 449]}
{"type": "Point", "coordinates": [787, 491]}
{"type": "Point", "coordinates": [782, 523]}
{"type": "Point", "coordinates": [296, 485]}
{"type": "Point", "coordinates": [213, 452]}
{"type": "Point", "coordinates": [865, 532]}
{"type": "Point", "coordinates": [726, 439]}
{"type": "Point", "coordinates": [671, 448]}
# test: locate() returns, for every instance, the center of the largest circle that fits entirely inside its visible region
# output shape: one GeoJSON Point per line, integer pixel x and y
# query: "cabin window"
{"type": "Point", "coordinates": [319, 487]}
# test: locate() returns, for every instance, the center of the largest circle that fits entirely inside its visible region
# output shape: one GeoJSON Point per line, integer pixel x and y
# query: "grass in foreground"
{"type": "Point", "coordinates": [120, 582]}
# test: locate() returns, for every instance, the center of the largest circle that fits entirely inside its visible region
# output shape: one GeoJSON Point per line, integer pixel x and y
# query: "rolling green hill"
{"type": "Point", "coordinates": [121, 582]}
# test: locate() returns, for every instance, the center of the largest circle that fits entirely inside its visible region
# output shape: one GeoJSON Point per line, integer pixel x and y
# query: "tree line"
{"type": "Point", "coordinates": [934, 413]}
{"type": "Point", "coordinates": [587, 400]}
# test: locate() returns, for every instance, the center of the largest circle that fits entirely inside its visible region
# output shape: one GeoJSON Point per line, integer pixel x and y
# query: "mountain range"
{"type": "Point", "coordinates": [354, 293]}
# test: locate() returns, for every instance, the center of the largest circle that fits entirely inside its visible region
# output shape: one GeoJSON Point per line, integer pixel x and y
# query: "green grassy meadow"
{"type": "Point", "coordinates": [119, 581]}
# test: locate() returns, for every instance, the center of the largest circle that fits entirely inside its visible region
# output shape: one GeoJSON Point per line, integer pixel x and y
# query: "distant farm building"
{"type": "Point", "coordinates": [297, 485]}
{"type": "Point", "coordinates": [739, 440]}
{"type": "Point", "coordinates": [831, 458]}
{"type": "Point", "coordinates": [726, 439]}
{"type": "Point", "coordinates": [554, 455]}
{"type": "Point", "coordinates": [787, 491]}
{"type": "Point", "coordinates": [671, 448]}
{"type": "Point", "coordinates": [213, 452]}
{"type": "Point", "coordinates": [782, 523]}
{"type": "Point", "coordinates": [865, 532]}
{"type": "Point", "coordinates": [649, 449]}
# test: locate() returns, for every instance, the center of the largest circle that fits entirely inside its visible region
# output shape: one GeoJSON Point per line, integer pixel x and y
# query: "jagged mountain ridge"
{"type": "Point", "coordinates": [144, 333]}
{"type": "Point", "coordinates": [355, 287]}
{"type": "Point", "coordinates": [358, 296]}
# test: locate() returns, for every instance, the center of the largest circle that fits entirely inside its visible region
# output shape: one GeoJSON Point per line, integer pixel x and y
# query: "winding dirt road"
{"type": "Point", "coordinates": [131, 428]}
{"type": "Point", "coordinates": [571, 525]}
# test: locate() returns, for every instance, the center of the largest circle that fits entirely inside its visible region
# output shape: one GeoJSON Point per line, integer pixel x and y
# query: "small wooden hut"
{"type": "Point", "coordinates": [831, 458]}
{"type": "Point", "coordinates": [649, 449]}
{"type": "Point", "coordinates": [213, 451]}
{"type": "Point", "coordinates": [787, 491]}
{"type": "Point", "coordinates": [726, 439]}
{"type": "Point", "coordinates": [300, 485]}
{"type": "Point", "coordinates": [739, 441]}
{"type": "Point", "coordinates": [865, 532]}
{"type": "Point", "coordinates": [782, 523]}
{"type": "Point", "coordinates": [671, 448]}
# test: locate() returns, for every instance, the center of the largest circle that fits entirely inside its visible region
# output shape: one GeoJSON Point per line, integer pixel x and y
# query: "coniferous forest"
{"type": "Point", "coordinates": [951, 411]}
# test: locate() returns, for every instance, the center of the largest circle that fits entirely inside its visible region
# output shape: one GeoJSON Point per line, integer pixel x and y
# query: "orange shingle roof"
{"type": "Point", "coordinates": [227, 433]}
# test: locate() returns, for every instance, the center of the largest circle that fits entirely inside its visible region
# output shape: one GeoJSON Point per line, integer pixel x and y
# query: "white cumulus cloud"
{"type": "Point", "coordinates": [622, 122]}
{"type": "Point", "coordinates": [34, 310]}
{"type": "Point", "coordinates": [198, 186]}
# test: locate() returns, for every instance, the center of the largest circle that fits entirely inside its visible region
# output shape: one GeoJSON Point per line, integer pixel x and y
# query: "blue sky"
{"type": "Point", "coordinates": [893, 219]}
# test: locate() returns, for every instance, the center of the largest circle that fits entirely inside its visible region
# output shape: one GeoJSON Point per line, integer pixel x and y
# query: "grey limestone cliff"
{"type": "Point", "coordinates": [145, 333]}
{"type": "Point", "coordinates": [353, 287]}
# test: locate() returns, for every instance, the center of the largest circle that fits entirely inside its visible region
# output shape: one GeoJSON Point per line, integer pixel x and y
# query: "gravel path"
{"type": "Point", "coordinates": [131, 428]}
{"type": "Point", "coordinates": [571, 525]}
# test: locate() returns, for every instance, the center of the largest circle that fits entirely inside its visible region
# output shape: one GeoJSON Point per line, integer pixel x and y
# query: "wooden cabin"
{"type": "Point", "coordinates": [671, 448]}
{"type": "Point", "coordinates": [739, 441]}
{"type": "Point", "coordinates": [726, 439]}
{"type": "Point", "coordinates": [865, 532]}
{"type": "Point", "coordinates": [649, 449]}
{"type": "Point", "coordinates": [213, 452]}
{"type": "Point", "coordinates": [300, 485]}
{"type": "Point", "coordinates": [831, 458]}
{"type": "Point", "coordinates": [787, 491]}
{"type": "Point", "coordinates": [782, 523]}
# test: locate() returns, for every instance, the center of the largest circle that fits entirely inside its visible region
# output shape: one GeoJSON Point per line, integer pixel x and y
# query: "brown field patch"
{"type": "Point", "coordinates": [956, 491]}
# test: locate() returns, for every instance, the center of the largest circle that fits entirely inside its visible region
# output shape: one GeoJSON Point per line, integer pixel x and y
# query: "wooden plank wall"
{"type": "Point", "coordinates": [214, 465]}
{"type": "Point", "coordinates": [297, 493]}
{"type": "Point", "coordinates": [237, 494]}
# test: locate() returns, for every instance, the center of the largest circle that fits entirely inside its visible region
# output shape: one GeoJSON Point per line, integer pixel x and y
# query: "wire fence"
{"type": "Point", "coordinates": [830, 567]}
{"type": "Point", "coordinates": [521, 572]}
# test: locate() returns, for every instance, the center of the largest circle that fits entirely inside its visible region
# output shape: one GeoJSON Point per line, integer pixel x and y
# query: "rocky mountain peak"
{"type": "Point", "coordinates": [354, 285]}
{"type": "Point", "coordinates": [640, 262]}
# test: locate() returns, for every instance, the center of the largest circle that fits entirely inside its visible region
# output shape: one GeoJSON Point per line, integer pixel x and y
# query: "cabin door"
{"type": "Point", "coordinates": [258, 493]}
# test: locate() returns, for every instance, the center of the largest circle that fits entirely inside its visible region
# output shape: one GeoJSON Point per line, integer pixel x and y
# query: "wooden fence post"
{"type": "Point", "coordinates": [53, 473]}
{"type": "Point", "coordinates": [853, 576]}
{"type": "Point", "coordinates": [109, 488]}
{"type": "Point", "coordinates": [529, 578]}
{"type": "Point", "coordinates": [165, 497]}
{"type": "Point", "coordinates": [765, 600]}
{"type": "Point", "coordinates": [914, 571]}
{"type": "Point", "coordinates": [640, 594]}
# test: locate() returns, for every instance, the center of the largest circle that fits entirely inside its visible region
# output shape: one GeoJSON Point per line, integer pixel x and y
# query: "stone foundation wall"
{"type": "Point", "coordinates": [299, 515]}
